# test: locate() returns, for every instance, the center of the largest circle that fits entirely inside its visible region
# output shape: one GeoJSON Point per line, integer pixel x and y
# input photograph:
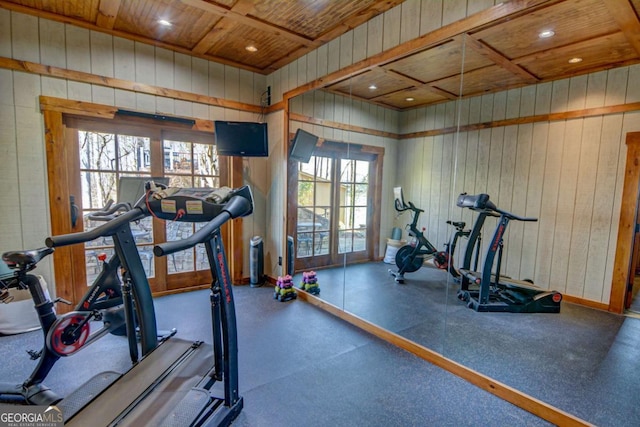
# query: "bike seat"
{"type": "Point", "coordinates": [18, 259]}
{"type": "Point", "coordinates": [457, 224]}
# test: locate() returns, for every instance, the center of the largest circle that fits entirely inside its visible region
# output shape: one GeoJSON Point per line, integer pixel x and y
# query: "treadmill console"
{"type": "Point", "coordinates": [192, 204]}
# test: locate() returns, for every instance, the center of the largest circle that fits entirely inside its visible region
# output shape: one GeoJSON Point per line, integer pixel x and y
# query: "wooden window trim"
{"type": "Point", "coordinates": [57, 113]}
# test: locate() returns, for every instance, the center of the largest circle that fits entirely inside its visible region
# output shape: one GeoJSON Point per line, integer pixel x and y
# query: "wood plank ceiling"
{"type": "Point", "coordinates": [503, 54]}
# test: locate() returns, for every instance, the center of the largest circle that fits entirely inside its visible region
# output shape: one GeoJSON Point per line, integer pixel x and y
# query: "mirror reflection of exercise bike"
{"type": "Point", "coordinates": [411, 256]}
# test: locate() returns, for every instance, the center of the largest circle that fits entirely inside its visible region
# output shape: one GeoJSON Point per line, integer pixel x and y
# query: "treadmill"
{"type": "Point", "coordinates": [179, 383]}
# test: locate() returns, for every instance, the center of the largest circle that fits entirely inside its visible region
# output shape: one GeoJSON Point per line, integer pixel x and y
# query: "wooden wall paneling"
{"type": "Point", "coordinates": [494, 178]}
{"type": "Point", "coordinates": [292, 75]}
{"type": "Point", "coordinates": [183, 80]}
{"type": "Point", "coordinates": [200, 79]}
{"type": "Point", "coordinates": [333, 56]}
{"type": "Point", "coordinates": [5, 33]}
{"type": "Point", "coordinates": [322, 60]}
{"type": "Point", "coordinates": [633, 91]}
{"type": "Point", "coordinates": [231, 83]}
{"type": "Point", "coordinates": [435, 187]}
{"type": "Point", "coordinates": [124, 68]}
{"type": "Point", "coordinates": [460, 165]}
{"type": "Point", "coordinates": [596, 89]}
{"type": "Point", "coordinates": [566, 207]}
{"type": "Point", "coordinates": [374, 36]}
{"type": "Point", "coordinates": [144, 72]}
{"type": "Point", "coordinates": [165, 77]}
{"type": "Point", "coordinates": [312, 63]}
{"type": "Point", "coordinates": [301, 76]}
{"type": "Point", "coordinates": [577, 93]}
{"type": "Point", "coordinates": [475, 6]}
{"type": "Point", "coordinates": [446, 188]}
{"type": "Point", "coordinates": [31, 172]}
{"type": "Point", "coordinates": [52, 43]}
{"type": "Point", "coordinates": [391, 30]}
{"type": "Point", "coordinates": [216, 80]}
{"type": "Point", "coordinates": [11, 227]}
{"type": "Point", "coordinates": [513, 241]}
{"type": "Point", "coordinates": [520, 201]}
{"type": "Point", "coordinates": [482, 165]}
{"type": "Point", "coordinates": [616, 89]}
{"type": "Point", "coordinates": [430, 15]}
{"type": "Point", "coordinates": [453, 10]}
{"type": "Point", "coordinates": [23, 37]}
{"type": "Point", "coordinates": [346, 49]}
{"type": "Point", "coordinates": [101, 62]}
{"type": "Point", "coordinates": [410, 18]}
{"type": "Point", "coordinates": [541, 199]}
{"type": "Point", "coordinates": [598, 266]}
{"type": "Point", "coordinates": [359, 44]}
{"type": "Point", "coordinates": [471, 165]}
{"type": "Point", "coordinates": [582, 216]}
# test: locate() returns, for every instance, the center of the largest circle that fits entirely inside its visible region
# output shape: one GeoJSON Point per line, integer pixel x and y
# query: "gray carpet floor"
{"type": "Point", "coordinates": [583, 361]}
{"type": "Point", "coordinates": [298, 366]}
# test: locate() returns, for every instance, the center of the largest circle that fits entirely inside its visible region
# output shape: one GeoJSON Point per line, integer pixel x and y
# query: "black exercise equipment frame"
{"type": "Point", "coordinates": [496, 293]}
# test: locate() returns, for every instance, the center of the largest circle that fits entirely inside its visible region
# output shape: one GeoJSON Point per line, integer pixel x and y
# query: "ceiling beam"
{"type": "Point", "coordinates": [107, 13]}
{"type": "Point", "coordinates": [248, 21]}
{"type": "Point", "coordinates": [624, 14]}
{"type": "Point", "coordinates": [496, 57]}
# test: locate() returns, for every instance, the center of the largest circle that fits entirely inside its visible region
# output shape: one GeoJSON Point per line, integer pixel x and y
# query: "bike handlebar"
{"type": "Point", "coordinates": [107, 212]}
{"type": "Point", "coordinates": [107, 229]}
{"type": "Point", "coordinates": [237, 206]}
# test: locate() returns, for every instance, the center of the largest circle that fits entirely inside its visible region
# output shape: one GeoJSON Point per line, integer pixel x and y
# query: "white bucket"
{"type": "Point", "coordinates": [392, 248]}
{"type": "Point", "coordinates": [19, 315]}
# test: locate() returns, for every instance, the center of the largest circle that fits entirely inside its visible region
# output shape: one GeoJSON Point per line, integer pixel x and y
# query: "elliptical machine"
{"type": "Point", "coordinates": [491, 291]}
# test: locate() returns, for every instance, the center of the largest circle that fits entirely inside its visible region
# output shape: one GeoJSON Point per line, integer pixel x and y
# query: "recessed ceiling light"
{"type": "Point", "coordinates": [251, 48]}
{"type": "Point", "coordinates": [164, 22]}
{"type": "Point", "coordinates": [409, 99]}
{"type": "Point", "coordinates": [575, 60]}
{"type": "Point", "coordinates": [373, 87]}
{"type": "Point", "coordinates": [546, 34]}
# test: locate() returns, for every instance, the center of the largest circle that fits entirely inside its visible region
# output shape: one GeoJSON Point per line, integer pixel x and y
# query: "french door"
{"type": "Point", "coordinates": [104, 152]}
{"type": "Point", "coordinates": [331, 204]}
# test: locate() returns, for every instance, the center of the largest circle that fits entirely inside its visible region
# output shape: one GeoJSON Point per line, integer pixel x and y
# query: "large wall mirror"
{"type": "Point", "coordinates": [346, 225]}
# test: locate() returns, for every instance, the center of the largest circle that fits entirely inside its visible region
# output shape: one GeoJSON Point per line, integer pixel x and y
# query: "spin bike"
{"type": "Point", "coordinates": [108, 300]}
{"type": "Point", "coordinates": [410, 257]}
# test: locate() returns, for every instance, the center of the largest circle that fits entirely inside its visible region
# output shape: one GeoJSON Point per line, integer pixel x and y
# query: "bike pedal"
{"type": "Point", "coordinates": [62, 300]}
{"type": "Point", "coordinates": [34, 355]}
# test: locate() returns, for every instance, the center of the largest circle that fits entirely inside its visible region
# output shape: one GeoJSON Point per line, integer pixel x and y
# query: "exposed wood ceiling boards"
{"type": "Point", "coordinates": [496, 49]}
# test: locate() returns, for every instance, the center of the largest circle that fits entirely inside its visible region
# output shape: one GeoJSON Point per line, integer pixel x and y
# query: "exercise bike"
{"type": "Point", "coordinates": [109, 300]}
{"type": "Point", "coordinates": [412, 256]}
{"type": "Point", "coordinates": [173, 382]}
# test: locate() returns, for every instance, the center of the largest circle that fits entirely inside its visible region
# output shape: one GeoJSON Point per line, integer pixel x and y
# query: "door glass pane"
{"type": "Point", "coordinates": [189, 164]}
{"type": "Point", "coordinates": [134, 153]}
{"type": "Point", "coordinates": [100, 170]}
{"type": "Point", "coordinates": [314, 207]}
{"type": "Point", "coordinates": [354, 199]}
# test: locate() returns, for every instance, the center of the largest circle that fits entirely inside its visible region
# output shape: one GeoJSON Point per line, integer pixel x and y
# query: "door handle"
{"type": "Point", "coordinates": [74, 211]}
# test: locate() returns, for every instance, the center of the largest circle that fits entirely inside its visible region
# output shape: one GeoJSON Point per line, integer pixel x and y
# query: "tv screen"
{"type": "Point", "coordinates": [247, 139]}
{"type": "Point", "coordinates": [304, 143]}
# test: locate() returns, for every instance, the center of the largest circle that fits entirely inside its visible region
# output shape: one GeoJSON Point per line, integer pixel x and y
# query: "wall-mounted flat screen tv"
{"type": "Point", "coordinates": [246, 139]}
{"type": "Point", "coordinates": [304, 144]}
